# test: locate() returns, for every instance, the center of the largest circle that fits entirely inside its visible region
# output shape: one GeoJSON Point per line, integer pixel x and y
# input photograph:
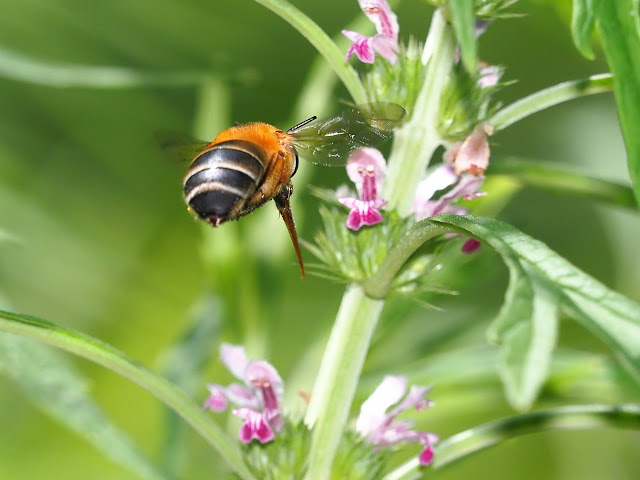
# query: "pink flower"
{"type": "Point", "coordinates": [464, 186]}
{"type": "Point", "coordinates": [385, 42]}
{"type": "Point", "coordinates": [259, 399]}
{"type": "Point", "coordinates": [377, 420]}
{"type": "Point", "coordinates": [367, 169]}
{"type": "Point", "coordinates": [472, 155]}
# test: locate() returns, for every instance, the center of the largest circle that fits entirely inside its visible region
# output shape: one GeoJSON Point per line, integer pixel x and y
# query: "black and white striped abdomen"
{"type": "Point", "coordinates": [222, 178]}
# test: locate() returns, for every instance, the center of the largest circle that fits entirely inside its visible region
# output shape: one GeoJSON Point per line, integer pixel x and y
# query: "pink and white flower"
{"type": "Point", "coordinates": [259, 398]}
{"type": "Point", "coordinates": [377, 421]}
{"type": "Point", "coordinates": [384, 42]}
{"type": "Point", "coordinates": [366, 168]}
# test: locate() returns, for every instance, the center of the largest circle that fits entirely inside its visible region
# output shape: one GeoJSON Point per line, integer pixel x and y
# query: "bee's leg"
{"type": "Point", "coordinates": [284, 207]}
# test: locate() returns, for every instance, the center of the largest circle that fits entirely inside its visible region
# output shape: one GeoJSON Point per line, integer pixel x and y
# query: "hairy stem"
{"type": "Point", "coordinates": [549, 97]}
{"type": "Point", "coordinates": [338, 377]}
{"type": "Point", "coordinates": [484, 436]}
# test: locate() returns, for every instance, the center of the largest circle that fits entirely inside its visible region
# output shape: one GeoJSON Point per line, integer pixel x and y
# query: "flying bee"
{"type": "Point", "coordinates": [248, 165]}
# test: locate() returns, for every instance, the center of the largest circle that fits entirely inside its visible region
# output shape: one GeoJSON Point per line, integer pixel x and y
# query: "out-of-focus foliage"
{"type": "Point", "coordinates": [104, 243]}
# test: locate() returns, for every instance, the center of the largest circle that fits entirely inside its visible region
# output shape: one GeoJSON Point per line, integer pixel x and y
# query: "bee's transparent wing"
{"type": "Point", "coordinates": [179, 145]}
{"type": "Point", "coordinates": [330, 141]}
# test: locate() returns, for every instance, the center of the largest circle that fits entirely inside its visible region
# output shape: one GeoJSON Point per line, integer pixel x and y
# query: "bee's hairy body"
{"type": "Point", "coordinates": [243, 168]}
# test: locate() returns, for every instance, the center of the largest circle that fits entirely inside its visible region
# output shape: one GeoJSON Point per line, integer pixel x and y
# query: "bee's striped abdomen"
{"type": "Point", "coordinates": [220, 179]}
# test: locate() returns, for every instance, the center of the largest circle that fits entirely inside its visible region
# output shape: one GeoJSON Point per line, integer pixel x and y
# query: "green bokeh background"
{"type": "Point", "coordinates": [100, 240]}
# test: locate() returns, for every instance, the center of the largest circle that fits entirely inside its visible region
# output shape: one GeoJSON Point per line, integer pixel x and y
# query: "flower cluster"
{"type": "Point", "coordinates": [378, 424]}
{"type": "Point", "coordinates": [367, 169]}
{"type": "Point", "coordinates": [461, 174]}
{"type": "Point", "coordinates": [462, 171]}
{"type": "Point", "coordinates": [384, 42]}
{"type": "Point", "coordinates": [260, 398]}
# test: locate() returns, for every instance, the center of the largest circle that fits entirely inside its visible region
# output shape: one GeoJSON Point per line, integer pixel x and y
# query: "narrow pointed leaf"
{"type": "Point", "coordinates": [582, 23]}
{"type": "Point", "coordinates": [463, 24]}
{"type": "Point", "coordinates": [619, 28]}
{"type": "Point", "coordinates": [56, 388]}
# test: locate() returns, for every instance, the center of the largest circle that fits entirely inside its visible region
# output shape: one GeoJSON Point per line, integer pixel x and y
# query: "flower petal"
{"type": "Point", "coordinates": [373, 411]}
{"type": "Point", "coordinates": [367, 161]}
{"type": "Point", "coordinates": [414, 399]}
{"type": "Point", "coordinates": [426, 456]}
{"type": "Point", "coordinates": [466, 188]}
{"type": "Point", "coordinates": [354, 220]}
{"type": "Point", "coordinates": [363, 213]}
{"type": "Point", "coordinates": [471, 245]}
{"type": "Point", "coordinates": [361, 46]}
{"type": "Point", "coordinates": [386, 47]}
{"type": "Point", "coordinates": [380, 13]}
{"type": "Point", "coordinates": [441, 178]}
{"type": "Point", "coordinates": [217, 401]}
{"type": "Point", "coordinates": [255, 426]}
{"type": "Point", "coordinates": [234, 358]}
{"type": "Point", "coordinates": [473, 155]}
{"type": "Point", "coordinates": [489, 76]}
{"type": "Point", "coordinates": [241, 396]}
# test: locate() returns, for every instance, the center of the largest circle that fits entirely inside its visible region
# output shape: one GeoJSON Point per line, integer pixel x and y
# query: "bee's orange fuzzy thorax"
{"type": "Point", "coordinates": [267, 136]}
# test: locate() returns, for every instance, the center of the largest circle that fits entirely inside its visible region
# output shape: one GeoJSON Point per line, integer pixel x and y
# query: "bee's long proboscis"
{"type": "Point", "coordinates": [284, 207]}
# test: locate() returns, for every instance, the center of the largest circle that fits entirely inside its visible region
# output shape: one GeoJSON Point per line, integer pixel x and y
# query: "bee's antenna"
{"type": "Point", "coordinates": [301, 124]}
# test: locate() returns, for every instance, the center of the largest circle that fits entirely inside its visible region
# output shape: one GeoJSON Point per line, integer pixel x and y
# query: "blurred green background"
{"type": "Point", "coordinates": [98, 238]}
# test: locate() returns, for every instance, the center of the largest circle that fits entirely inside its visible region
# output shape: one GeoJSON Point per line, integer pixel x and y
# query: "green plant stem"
{"type": "Point", "coordinates": [115, 360]}
{"type": "Point", "coordinates": [315, 94]}
{"type": "Point", "coordinates": [379, 284]}
{"type": "Point", "coordinates": [338, 377]}
{"type": "Point", "coordinates": [415, 142]}
{"type": "Point", "coordinates": [321, 42]}
{"type": "Point", "coordinates": [549, 97]}
{"type": "Point", "coordinates": [580, 417]}
{"type": "Point", "coordinates": [563, 181]}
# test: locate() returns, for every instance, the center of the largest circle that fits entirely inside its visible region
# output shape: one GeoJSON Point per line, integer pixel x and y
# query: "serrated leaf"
{"type": "Point", "coordinates": [582, 23]}
{"type": "Point", "coordinates": [542, 283]}
{"type": "Point", "coordinates": [462, 19]}
{"type": "Point", "coordinates": [54, 386]}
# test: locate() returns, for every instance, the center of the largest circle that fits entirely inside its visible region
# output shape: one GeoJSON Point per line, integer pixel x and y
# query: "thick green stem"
{"type": "Point", "coordinates": [338, 377]}
{"type": "Point", "coordinates": [415, 142]}
{"type": "Point", "coordinates": [549, 97]}
{"type": "Point", "coordinates": [321, 42]}
{"type": "Point", "coordinates": [479, 438]}
{"type": "Point", "coordinates": [115, 360]}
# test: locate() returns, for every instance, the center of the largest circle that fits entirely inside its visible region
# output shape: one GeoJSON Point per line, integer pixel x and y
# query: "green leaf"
{"type": "Point", "coordinates": [113, 359]}
{"type": "Point", "coordinates": [60, 391]}
{"type": "Point", "coordinates": [542, 284]}
{"type": "Point", "coordinates": [463, 24]}
{"type": "Point", "coordinates": [563, 180]}
{"type": "Point", "coordinates": [582, 23]}
{"type": "Point", "coordinates": [619, 29]}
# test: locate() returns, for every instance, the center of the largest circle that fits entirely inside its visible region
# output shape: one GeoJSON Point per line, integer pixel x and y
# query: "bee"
{"type": "Point", "coordinates": [247, 165]}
